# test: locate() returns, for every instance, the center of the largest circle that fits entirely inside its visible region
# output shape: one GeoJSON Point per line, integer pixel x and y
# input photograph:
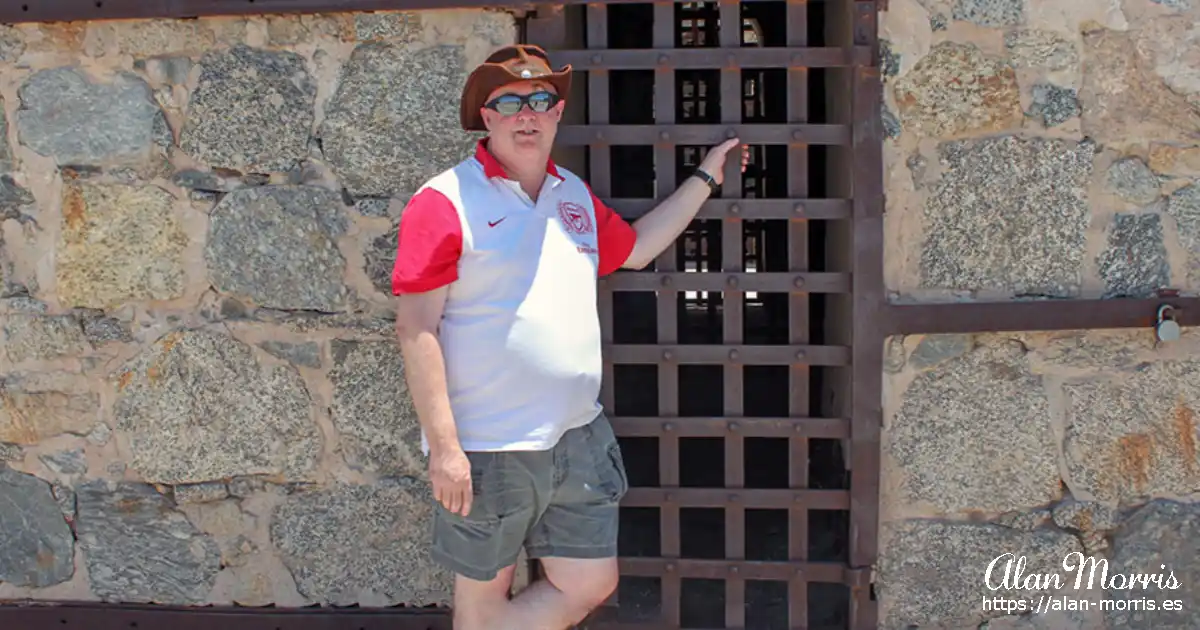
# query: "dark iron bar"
{"type": "Point", "coordinates": [667, 355]}
{"type": "Point", "coordinates": [702, 134]}
{"type": "Point", "coordinates": [746, 569]}
{"type": "Point", "coordinates": [98, 616]}
{"type": "Point", "coordinates": [654, 426]}
{"type": "Point", "coordinates": [707, 58]}
{"type": "Point", "coordinates": [748, 209]}
{"type": "Point", "coordinates": [746, 499]}
{"type": "Point", "coordinates": [732, 281]}
{"type": "Point", "coordinates": [1045, 315]}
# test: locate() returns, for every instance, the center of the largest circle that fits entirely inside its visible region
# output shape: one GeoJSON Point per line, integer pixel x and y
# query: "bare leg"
{"type": "Point", "coordinates": [478, 605]}
{"type": "Point", "coordinates": [571, 590]}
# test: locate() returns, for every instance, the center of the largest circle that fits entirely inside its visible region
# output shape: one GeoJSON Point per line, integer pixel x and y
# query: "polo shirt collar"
{"type": "Point", "coordinates": [493, 168]}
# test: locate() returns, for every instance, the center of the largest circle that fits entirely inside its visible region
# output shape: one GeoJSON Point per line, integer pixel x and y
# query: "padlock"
{"type": "Point", "coordinates": [1167, 328]}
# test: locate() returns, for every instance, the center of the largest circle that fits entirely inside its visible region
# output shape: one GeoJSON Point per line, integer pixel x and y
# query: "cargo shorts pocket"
{"type": "Point", "coordinates": [610, 464]}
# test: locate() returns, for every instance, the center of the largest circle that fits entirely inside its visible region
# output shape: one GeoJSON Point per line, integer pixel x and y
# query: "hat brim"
{"type": "Point", "coordinates": [488, 77]}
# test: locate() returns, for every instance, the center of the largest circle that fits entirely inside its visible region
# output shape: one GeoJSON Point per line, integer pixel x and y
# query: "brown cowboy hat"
{"type": "Point", "coordinates": [511, 64]}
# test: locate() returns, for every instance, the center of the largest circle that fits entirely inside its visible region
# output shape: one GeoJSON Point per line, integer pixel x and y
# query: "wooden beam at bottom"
{"type": "Point", "coordinates": [1066, 314]}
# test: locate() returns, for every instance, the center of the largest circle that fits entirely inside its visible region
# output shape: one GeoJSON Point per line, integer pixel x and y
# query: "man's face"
{"type": "Point", "coordinates": [526, 131]}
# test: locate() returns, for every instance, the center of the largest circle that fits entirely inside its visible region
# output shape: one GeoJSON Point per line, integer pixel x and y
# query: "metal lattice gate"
{"type": "Point", "coordinates": [730, 367]}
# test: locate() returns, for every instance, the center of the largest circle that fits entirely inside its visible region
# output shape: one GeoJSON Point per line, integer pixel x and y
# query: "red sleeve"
{"type": "Point", "coordinates": [428, 244]}
{"type": "Point", "coordinates": [614, 236]}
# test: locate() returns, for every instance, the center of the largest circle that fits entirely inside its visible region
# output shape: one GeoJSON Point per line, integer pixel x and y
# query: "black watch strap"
{"type": "Point", "coordinates": [708, 179]}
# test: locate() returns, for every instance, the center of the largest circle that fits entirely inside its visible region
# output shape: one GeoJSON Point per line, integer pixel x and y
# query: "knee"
{"type": "Point", "coordinates": [591, 589]}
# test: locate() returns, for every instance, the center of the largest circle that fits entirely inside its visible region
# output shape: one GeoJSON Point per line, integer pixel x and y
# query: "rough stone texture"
{"type": "Point", "coordinates": [304, 354]}
{"type": "Point", "coordinates": [201, 492]}
{"type": "Point", "coordinates": [1008, 214]}
{"type": "Point", "coordinates": [1175, 161]}
{"type": "Point", "coordinates": [253, 110]}
{"type": "Point", "coordinates": [379, 260]}
{"type": "Point", "coordinates": [891, 125]}
{"type": "Point", "coordinates": [216, 181]}
{"type": "Point", "coordinates": [397, 27]}
{"type": "Point", "coordinates": [31, 412]}
{"type": "Point", "coordinates": [957, 89]}
{"type": "Point", "coordinates": [1134, 435]}
{"type": "Point", "coordinates": [380, 135]}
{"type": "Point", "coordinates": [37, 545]}
{"type": "Point", "coordinates": [889, 61]}
{"type": "Point", "coordinates": [12, 45]}
{"type": "Point", "coordinates": [1178, 5]}
{"type": "Point", "coordinates": [372, 409]}
{"type": "Point", "coordinates": [144, 38]}
{"type": "Point", "coordinates": [41, 337]}
{"type": "Point", "coordinates": [1133, 181]}
{"type": "Point", "coordinates": [140, 550]}
{"type": "Point", "coordinates": [1054, 105]}
{"type": "Point", "coordinates": [185, 424]}
{"type": "Point", "coordinates": [1034, 48]}
{"type": "Point", "coordinates": [354, 543]}
{"type": "Point", "coordinates": [1184, 206]}
{"type": "Point", "coordinates": [66, 115]}
{"type": "Point", "coordinates": [1135, 262]}
{"type": "Point", "coordinates": [1161, 538]}
{"type": "Point", "coordinates": [70, 462]}
{"type": "Point", "coordinates": [1122, 97]}
{"type": "Point", "coordinates": [100, 329]}
{"type": "Point", "coordinates": [954, 465]}
{"type": "Point", "coordinates": [14, 200]}
{"type": "Point", "coordinates": [932, 574]}
{"type": "Point", "coordinates": [276, 247]}
{"type": "Point", "coordinates": [1085, 516]}
{"type": "Point", "coordinates": [372, 206]}
{"type": "Point", "coordinates": [119, 243]}
{"type": "Point", "coordinates": [934, 349]}
{"type": "Point", "coordinates": [6, 156]}
{"type": "Point", "coordinates": [991, 13]}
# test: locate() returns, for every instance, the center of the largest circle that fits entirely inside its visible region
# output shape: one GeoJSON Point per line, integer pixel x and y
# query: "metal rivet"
{"type": "Point", "coordinates": [670, 567]}
{"type": "Point", "coordinates": [596, 59]}
{"type": "Point", "coordinates": [664, 135]}
{"type": "Point", "coordinates": [735, 209]}
{"type": "Point", "coordinates": [798, 428]}
{"type": "Point", "coordinates": [599, 135]}
{"type": "Point", "coordinates": [799, 209]}
{"type": "Point", "coordinates": [668, 427]}
{"type": "Point", "coordinates": [663, 59]}
{"type": "Point", "coordinates": [731, 58]}
{"type": "Point", "coordinates": [800, 354]}
{"type": "Point", "coordinates": [730, 134]}
{"type": "Point", "coordinates": [668, 497]}
{"type": "Point", "coordinates": [797, 134]}
{"type": "Point", "coordinates": [797, 60]}
{"type": "Point", "coordinates": [733, 570]}
{"type": "Point", "coordinates": [733, 426]}
{"type": "Point", "coordinates": [735, 498]}
{"type": "Point", "coordinates": [732, 281]}
{"type": "Point", "coordinates": [733, 355]}
{"type": "Point", "coordinates": [666, 281]}
{"type": "Point", "coordinates": [798, 282]}
{"type": "Point", "coordinates": [799, 498]}
{"type": "Point", "coordinates": [667, 355]}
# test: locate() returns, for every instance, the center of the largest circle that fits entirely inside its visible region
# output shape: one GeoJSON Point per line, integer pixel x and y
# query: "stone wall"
{"type": "Point", "coordinates": [1039, 148]}
{"type": "Point", "coordinates": [200, 396]}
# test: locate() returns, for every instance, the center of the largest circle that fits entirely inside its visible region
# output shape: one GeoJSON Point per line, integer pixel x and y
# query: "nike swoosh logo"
{"type": "Point", "coordinates": [495, 223]}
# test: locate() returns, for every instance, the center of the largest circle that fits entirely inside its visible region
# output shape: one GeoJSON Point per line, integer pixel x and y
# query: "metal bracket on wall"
{"type": "Point", "coordinates": [1065, 314]}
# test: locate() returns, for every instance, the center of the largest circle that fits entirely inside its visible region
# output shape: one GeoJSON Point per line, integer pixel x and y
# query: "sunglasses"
{"type": "Point", "coordinates": [510, 104]}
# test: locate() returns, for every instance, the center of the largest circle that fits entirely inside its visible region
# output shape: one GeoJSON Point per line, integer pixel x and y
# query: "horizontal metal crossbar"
{"type": "Point", "coordinates": [1065, 314]}
{"type": "Point", "coordinates": [779, 499]}
{"type": "Point", "coordinates": [766, 282]}
{"type": "Point", "coordinates": [580, 135]}
{"type": "Point", "coordinates": [68, 10]}
{"type": "Point", "coordinates": [830, 572]}
{"type": "Point", "coordinates": [97, 616]}
{"type": "Point", "coordinates": [712, 58]}
{"type": "Point", "coordinates": [655, 426]}
{"type": "Point", "coordinates": [730, 354]}
{"type": "Point", "coordinates": [749, 209]}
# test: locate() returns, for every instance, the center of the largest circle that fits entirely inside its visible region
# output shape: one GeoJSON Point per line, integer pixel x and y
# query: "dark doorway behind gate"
{"type": "Point", "coordinates": [729, 361]}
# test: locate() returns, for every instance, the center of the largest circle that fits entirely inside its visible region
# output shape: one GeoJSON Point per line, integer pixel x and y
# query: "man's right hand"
{"type": "Point", "coordinates": [450, 475]}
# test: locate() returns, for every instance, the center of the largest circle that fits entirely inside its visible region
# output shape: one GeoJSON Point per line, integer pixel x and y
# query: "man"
{"type": "Point", "coordinates": [496, 271]}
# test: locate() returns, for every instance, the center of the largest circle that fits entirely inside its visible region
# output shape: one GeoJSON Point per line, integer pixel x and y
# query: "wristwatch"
{"type": "Point", "coordinates": [708, 179]}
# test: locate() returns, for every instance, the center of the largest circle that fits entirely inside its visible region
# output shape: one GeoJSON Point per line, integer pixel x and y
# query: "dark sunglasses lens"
{"type": "Point", "coordinates": [541, 101]}
{"type": "Point", "coordinates": [508, 105]}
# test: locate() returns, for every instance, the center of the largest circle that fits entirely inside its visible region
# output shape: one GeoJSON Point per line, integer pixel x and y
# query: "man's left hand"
{"type": "Point", "coordinates": [714, 162]}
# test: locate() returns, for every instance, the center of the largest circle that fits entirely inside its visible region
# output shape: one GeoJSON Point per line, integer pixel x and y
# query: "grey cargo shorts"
{"type": "Point", "coordinates": [560, 502]}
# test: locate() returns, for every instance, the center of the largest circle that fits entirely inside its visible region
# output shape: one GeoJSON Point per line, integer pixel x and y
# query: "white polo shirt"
{"type": "Point", "coordinates": [521, 332]}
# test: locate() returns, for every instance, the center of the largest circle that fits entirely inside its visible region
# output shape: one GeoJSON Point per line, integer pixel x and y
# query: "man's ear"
{"type": "Point", "coordinates": [483, 115]}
